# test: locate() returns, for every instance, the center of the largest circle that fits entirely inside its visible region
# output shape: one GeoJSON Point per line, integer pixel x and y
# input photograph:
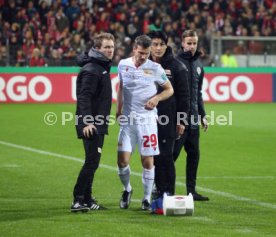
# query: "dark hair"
{"type": "Point", "coordinates": [98, 39]}
{"type": "Point", "coordinates": [189, 33]}
{"type": "Point", "coordinates": [158, 34]}
{"type": "Point", "coordinates": [143, 41]}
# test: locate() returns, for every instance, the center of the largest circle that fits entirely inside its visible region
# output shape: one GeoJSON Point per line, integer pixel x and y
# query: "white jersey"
{"type": "Point", "coordinates": [139, 84]}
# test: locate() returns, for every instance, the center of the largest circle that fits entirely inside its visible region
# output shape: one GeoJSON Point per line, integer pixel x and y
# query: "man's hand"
{"type": "Point", "coordinates": [118, 114]}
{"type": "Point", "coordinates": [152, 103]}
{"type": "Point", "coordinates": [89, 130]}
{"type": "Point", "coordinates": [204, 124]}
{"type": "Point", "coordinates": [180, 128]}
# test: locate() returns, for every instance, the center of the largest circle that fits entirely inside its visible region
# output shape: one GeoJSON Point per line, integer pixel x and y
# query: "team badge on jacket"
{"type": "Point", "coordinates": [198, 69]}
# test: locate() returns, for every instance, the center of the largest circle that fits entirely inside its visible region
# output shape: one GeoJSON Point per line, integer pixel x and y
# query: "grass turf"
{"type": "Point", "coordinates": [237, 172]}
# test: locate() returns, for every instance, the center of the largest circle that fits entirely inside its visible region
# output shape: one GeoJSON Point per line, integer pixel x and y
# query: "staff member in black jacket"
{"type": "Point", "coordinates": [189, 56]}
{"type": "Point", "coordinates": [168, 130]}
{"type": "Point", "coordinates": [94, 97]}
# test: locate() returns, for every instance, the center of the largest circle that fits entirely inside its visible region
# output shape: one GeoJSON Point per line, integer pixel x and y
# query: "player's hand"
{"type": "Point", "coordinates": [204, 124]}
{"type": "Point", "coordinates": [89, 130]}
{"type": "Point", "coordinates": [152, 103]}
{"type": "Point", "coordinates": [118, 114]}
{"type": "Point", "coordinates": [180, 128]}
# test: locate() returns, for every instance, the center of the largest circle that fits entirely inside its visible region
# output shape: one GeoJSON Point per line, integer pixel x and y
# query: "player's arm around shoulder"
{"type": "Point", "coordinates": [165, 83]}
{"type": "Point", "coordinates": [165, 94]}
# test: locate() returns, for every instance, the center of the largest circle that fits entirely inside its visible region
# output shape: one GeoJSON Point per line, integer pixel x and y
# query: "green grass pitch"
{"type": "Point", "coordinates": [39, 165]}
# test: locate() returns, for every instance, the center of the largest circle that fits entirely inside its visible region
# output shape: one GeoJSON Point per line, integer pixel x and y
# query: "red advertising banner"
{"type": "Point", "coordinates": [43, 88]}
{"type": "Point", "coordinates": [61, 87]}
{"type": "Point", "coordinates": [237, 87]}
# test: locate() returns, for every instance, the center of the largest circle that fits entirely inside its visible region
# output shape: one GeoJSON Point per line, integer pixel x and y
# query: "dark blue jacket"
{"type": "Point", "coordinates": [195, 79]}
{"type": "Point", "coordinates": [176, 72]}
{"type": "Point", "coordinates": [94, 91]}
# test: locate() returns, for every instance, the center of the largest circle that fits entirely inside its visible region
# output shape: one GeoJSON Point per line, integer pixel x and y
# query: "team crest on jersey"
{"type": "Point", "coordinates": [198, 69]}
{"type": "Point", "coordinates": [148, 72]}
{"type": "Point", "coordinates": [168, 72]}
{"type": "Point", "coordinates": [126, 69]}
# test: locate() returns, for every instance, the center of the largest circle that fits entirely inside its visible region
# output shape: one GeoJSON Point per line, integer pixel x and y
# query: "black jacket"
{"type": "Point", "coordinates": [176, 72]}
{"type": "Point", "coordinates": [94, 91]}
{"type": "Point", "coordinates": [195, 78]}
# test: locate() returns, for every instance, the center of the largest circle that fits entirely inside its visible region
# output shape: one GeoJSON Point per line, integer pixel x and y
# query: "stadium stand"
{"type": "Point", "coordinates": [61, 29]}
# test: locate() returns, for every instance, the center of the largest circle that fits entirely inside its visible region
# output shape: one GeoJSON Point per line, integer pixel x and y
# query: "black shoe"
{"type": "Point", "coordinates": [146, 205]}
{"type": "Point", "coordinates": [93, 206]}
{"type": "Point", "coordinates": [79, 207]}
{"type": "Point", "coordinates": [125, 200]}
{"type": "Point", "coordinates": [198, 197]}
{"type": "Point", "coordinates": [93, 199]}
{"type": "Point", "coordinates": [90, 200]}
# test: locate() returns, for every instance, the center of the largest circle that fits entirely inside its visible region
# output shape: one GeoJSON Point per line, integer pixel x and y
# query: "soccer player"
{"type": "Point", "coordinates": [190, 140]}
{"type": "Point", "coordinates": [94, 97]}
{"type": "Point", "coordinates": [137, 101]}
{"type": "Point", "coordinates": [179, 103]}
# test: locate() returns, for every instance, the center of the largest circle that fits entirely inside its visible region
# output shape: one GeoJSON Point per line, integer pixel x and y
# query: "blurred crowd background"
{"type": "Point", "coordinates": [54, 32]}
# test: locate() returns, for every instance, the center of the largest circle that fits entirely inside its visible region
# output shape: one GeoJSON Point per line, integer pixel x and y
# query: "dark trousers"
{"type": "Point", "coordinates": [83, 187]}
{"type": "Point", "coordinates": [190, 141]}
{"type": "Point", "coordinates": [164, 167]}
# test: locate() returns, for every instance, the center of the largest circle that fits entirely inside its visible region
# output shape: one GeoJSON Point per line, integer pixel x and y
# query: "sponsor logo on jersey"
{"type": "Point", "coordinates": [148, 72]}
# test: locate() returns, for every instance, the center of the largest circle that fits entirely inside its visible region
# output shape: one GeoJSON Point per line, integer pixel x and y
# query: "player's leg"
{"type": "Point", "coordinates": [88, 199]}
{"type": "Point", "coordinates": [168, 164]}
{"type": "Point", "coordinates": [159, 179]}
{"type": "Point", "coordinates": [126, 144]}
{"type": "Point", "coordinates": [124, 169]}
{"type": "Point", "coordinates": [83, 186]}
{"type": "Point", "coordinates": [193, 155]}
{"type": "Point", "coordinates": [192, 150]}
{"type": "Point", "coordinates": [148, 147]}
{"type": "Point", "coordinates": [147, 180]}
{"type": "Point", "coordinates": [164, 167]}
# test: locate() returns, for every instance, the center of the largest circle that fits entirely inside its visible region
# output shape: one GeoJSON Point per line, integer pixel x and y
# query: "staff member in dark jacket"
{"type": "Point", "coordinates": [189, 56]}
{"type": "Point", "coordinates": [94, 98]}
{"type": "Point", "coordinates": [176, 71]}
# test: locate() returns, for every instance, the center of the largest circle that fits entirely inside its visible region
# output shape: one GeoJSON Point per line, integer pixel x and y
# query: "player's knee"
{"type": "Point", "coordinates": [148, 165]}
{"type": "Point", "coordinates": [124, 170]}
{"type": "Point", "coordinates": [122, 163]}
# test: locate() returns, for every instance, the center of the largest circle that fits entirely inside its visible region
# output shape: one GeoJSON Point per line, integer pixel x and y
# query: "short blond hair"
{"type": "Point", "coordinates": [189, 33]}
{"type": "Point", "coordinates": [98, 39]}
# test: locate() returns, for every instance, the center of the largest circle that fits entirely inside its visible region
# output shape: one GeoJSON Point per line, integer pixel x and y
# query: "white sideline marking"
{"type": "Point", "coordinates": [219, 193]}
{"type": "Point", "coordinates": [235, 197]}
{"type": "Point", "coordinates": [10, 166]}
{"type": "Point", "coordinates": [231, 177]}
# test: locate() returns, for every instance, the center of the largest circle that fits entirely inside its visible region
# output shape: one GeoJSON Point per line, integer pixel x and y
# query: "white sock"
{"type": "Point", "coordinates": [124, 174]}
{"type": "Point", "coordinates": [148, 180]}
